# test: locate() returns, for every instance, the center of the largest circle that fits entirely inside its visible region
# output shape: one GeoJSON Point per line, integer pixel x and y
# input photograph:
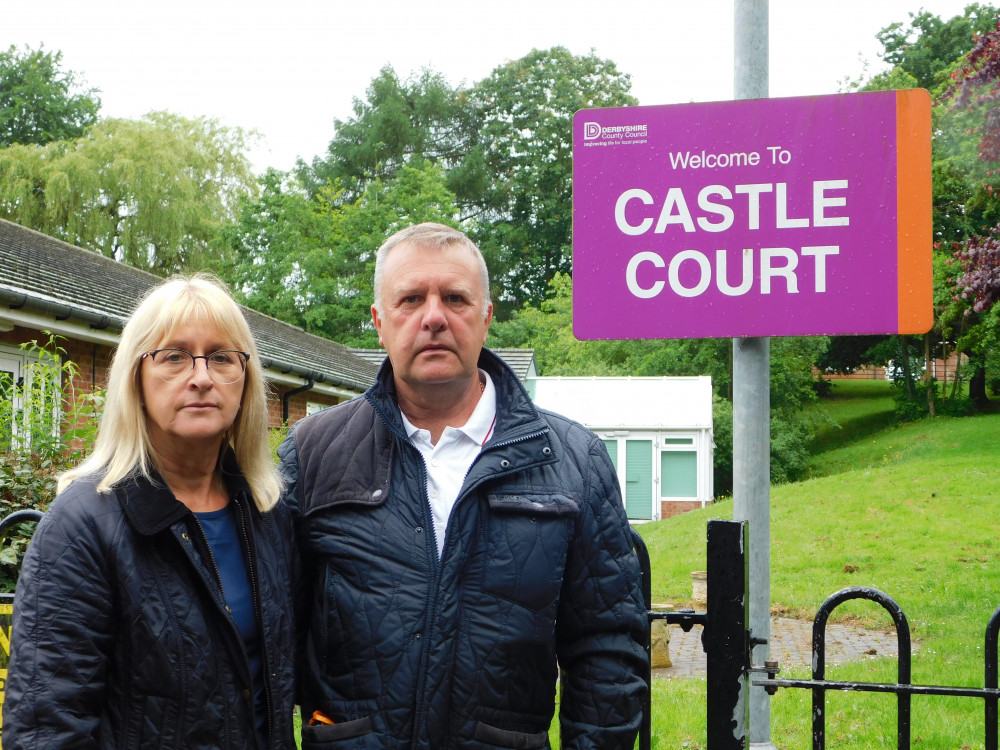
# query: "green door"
{"type": "Point", "coordinates": [639, 479]}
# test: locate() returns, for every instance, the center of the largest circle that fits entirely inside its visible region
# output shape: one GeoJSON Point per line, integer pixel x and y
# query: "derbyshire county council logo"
{"type": "Point", "coordinates": [614, 134]}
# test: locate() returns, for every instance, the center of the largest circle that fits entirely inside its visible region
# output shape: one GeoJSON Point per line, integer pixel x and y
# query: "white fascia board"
{"type": "Point", "coordinates": [295, 381]}
{"type": "Point", "coordinates": [67, 328]}
{"type": "Point", "coordinates": [110, 337]}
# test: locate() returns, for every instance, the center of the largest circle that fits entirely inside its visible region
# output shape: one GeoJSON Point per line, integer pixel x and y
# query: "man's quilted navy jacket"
{"type": "Point", "coordinates": [121, 638]}
{"type": "Point", "coordinates": [404, 650]}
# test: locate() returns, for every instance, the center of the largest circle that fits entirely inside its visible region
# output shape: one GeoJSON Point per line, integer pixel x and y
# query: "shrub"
{"type": "Point", "coordinates": [45, 428]}
{"type": "Point", "coordinates": [722, 429]}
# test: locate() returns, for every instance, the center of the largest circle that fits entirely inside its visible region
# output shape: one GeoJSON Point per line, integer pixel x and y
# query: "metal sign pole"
{"type": "Point", "coordinates": [751, 501]}
{"type": "Point", "coordinates": [752, 396]}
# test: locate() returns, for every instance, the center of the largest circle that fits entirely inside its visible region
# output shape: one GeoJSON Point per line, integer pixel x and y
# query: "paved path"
{"type": "Point", "coordinates": [791, 645]}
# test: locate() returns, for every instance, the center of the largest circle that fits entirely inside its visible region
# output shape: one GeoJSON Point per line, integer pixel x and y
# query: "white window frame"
{"type": "Point", "coordinates": [662, 446]}
{"type": "Point", "coordinates": [21, 362]}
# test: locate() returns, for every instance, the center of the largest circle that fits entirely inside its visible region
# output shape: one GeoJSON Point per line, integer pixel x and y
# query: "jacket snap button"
{"type": "Point", "coordinates": [416, 636]}
{"type": "Point", "coordinates": [546, 451]}
{"type": "Point", "coordinates": [377, 494]}
{"type": "Point", "coordinates": [504, 463]}
{"type": "Point", "coordinates": [184, 536]}
{"type": "Point", "coordinates": [245, 694]}
{"type": "Point", "coordinates": [419, 529]}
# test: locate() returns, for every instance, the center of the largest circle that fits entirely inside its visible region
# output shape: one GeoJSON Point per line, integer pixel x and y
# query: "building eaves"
{"type": "Point", "coordinates": [519, 360]}
{"type": "Point", "coordinates": [44, 274]}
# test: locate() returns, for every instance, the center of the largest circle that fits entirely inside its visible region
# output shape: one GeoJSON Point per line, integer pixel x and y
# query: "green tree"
{"type": "Point", "coordinates": [401, 122]}
{"type": "Point", "coordinates": [526, 110]}
{"type": "Point", "coordinates": [548, 329]}
{"type": "Point", "coordinates": [152, 193]}
{"type": "Point", "coordinates": [974, 100]}
{"type": "Point", "coordinates": [929, 51]}
{"type": "Point", "coordinates": [39, 102]}
{"type": "Point", "coordinates": [266, 242]}
{"type": "Point", "coordinates": [504, 146]}
{"type": "Point", "coordinates": [928, 47]}
{"type": "Point", "coordinates": [311, 262]}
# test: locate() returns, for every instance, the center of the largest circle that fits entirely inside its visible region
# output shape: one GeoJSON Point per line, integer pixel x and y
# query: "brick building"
{"type": "Point", "coordinates": [85, 299]}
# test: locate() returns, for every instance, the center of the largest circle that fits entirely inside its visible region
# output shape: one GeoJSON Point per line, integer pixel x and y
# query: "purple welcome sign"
{"type": "Point", "coordinates": [767, 217]}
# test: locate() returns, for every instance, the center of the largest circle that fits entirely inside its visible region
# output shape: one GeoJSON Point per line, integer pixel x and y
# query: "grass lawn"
{"type": "Point", "coordinates": [852, 410]}
{"type": "Point", "coordinates": [910, 510]}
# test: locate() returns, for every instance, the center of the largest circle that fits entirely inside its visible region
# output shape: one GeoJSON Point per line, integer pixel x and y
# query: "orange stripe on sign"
{"type": "Point", "coordinates": [913, 211]}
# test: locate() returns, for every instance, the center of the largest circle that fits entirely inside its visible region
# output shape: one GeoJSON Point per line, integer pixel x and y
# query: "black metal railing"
{"type": "Point", "coordinates": [8, 523]}
{"type": "Point", "coordinates": [903, 689]}
{"type": "Point", "coordinates": [727, 643]}
{"type": "Point", "coordinates": [7, 598]}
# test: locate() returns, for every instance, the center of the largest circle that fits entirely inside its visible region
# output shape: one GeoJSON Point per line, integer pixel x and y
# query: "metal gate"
{"type": "Point", "coordinates": [725, 637]}
{"type": "Point", "coordinates": [728, 643]}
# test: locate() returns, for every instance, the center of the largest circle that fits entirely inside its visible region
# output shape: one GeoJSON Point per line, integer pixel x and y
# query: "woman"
{"type": "Point", "coordinates": [154, 603]}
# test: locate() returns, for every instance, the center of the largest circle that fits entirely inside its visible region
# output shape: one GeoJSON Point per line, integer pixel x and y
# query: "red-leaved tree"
{"type": "Point", "coordinates": [979, 282]}
{"type": "Point", "coordinates": [977, 87]}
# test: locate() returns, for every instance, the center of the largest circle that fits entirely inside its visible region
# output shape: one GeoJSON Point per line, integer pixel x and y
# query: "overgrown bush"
{"type": "Point", "coordinates": [45, 428]}
{"type": "Point", "coordinates": [790, 436]}
{"type": "Point", "coordinates": [722, 433]}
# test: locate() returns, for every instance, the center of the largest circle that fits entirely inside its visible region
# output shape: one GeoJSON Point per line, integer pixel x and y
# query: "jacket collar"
{"type": "Point", "coordinates": [150, 506]}
{"type": "Point", "coordinates": [516, 414]}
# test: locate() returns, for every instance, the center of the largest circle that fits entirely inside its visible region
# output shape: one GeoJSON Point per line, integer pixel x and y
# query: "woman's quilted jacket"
{"type": "Point", "coordinates": [121, 638]}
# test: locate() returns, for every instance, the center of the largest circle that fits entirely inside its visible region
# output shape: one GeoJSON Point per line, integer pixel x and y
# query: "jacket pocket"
{"type": "Point", "coordinates": [325, 736]}
{"type": "Point", "coordinates": [505, 738]}
{"type": "Point", "coordinates": [527, 540]}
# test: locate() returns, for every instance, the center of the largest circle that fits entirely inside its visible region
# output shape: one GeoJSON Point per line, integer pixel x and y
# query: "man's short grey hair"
{"type": "Point", "coordinates": [431, 235]}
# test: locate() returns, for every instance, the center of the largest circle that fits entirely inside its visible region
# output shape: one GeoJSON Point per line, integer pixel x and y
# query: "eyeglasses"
{"type": "Point", "coordinates": [173, 365]}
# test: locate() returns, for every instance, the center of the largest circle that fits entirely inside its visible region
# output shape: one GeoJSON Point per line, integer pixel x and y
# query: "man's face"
{"type": "Point", "coordinates": [432, 323]}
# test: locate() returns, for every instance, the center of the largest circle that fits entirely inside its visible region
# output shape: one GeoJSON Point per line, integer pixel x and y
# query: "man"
{"type": "Point", "coordinates": [459, 541]}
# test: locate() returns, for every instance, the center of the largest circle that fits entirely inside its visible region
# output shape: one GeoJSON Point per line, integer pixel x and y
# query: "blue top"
{"type": "Point", "coordinates": [223, 539]}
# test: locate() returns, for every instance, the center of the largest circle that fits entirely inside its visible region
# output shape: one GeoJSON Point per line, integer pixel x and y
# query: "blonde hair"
{"type": "Point", "coordinates": [122, 445]}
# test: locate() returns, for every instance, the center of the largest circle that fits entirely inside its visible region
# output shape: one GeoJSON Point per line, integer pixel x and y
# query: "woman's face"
{"type": "Point", "coordinates": [193, 413]}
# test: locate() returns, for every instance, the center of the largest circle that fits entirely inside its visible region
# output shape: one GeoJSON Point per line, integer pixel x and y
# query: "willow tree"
{"type": "Point", "coordinates": [152, 193]}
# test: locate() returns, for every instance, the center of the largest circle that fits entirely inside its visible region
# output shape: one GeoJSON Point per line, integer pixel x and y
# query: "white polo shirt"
{"type": "Point", "coordinates": [449, 461]}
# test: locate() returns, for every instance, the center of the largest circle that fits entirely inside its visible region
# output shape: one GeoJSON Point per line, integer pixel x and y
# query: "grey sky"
{"type": "Point", "coordinates": [287, 69]}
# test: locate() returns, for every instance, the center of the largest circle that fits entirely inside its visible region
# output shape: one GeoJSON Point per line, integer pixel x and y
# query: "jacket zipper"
{"type": "Point", "coordinates": [436, 580]}
{"type": "Point", "coordinates": [227, 610]}
{"type": "Point", "coordinates": [259, 614]}
{"type": "Point", "coordinates": [432, 601]}
{"type": "Point", "coordinates": [214, 565]}
{"type": "Point", "coordinates": [432, 597]}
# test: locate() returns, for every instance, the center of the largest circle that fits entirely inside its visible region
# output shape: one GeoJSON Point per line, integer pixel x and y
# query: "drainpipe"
{"type": "Point", "coordinates": [287, 398]}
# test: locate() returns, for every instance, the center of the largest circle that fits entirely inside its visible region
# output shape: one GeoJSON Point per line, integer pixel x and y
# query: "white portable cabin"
{"type": "Point", "coordinates": [658, 432]}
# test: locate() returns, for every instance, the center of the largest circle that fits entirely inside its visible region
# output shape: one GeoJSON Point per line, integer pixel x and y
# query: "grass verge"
{"type": "Point", "coordinates": [911, 511]}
